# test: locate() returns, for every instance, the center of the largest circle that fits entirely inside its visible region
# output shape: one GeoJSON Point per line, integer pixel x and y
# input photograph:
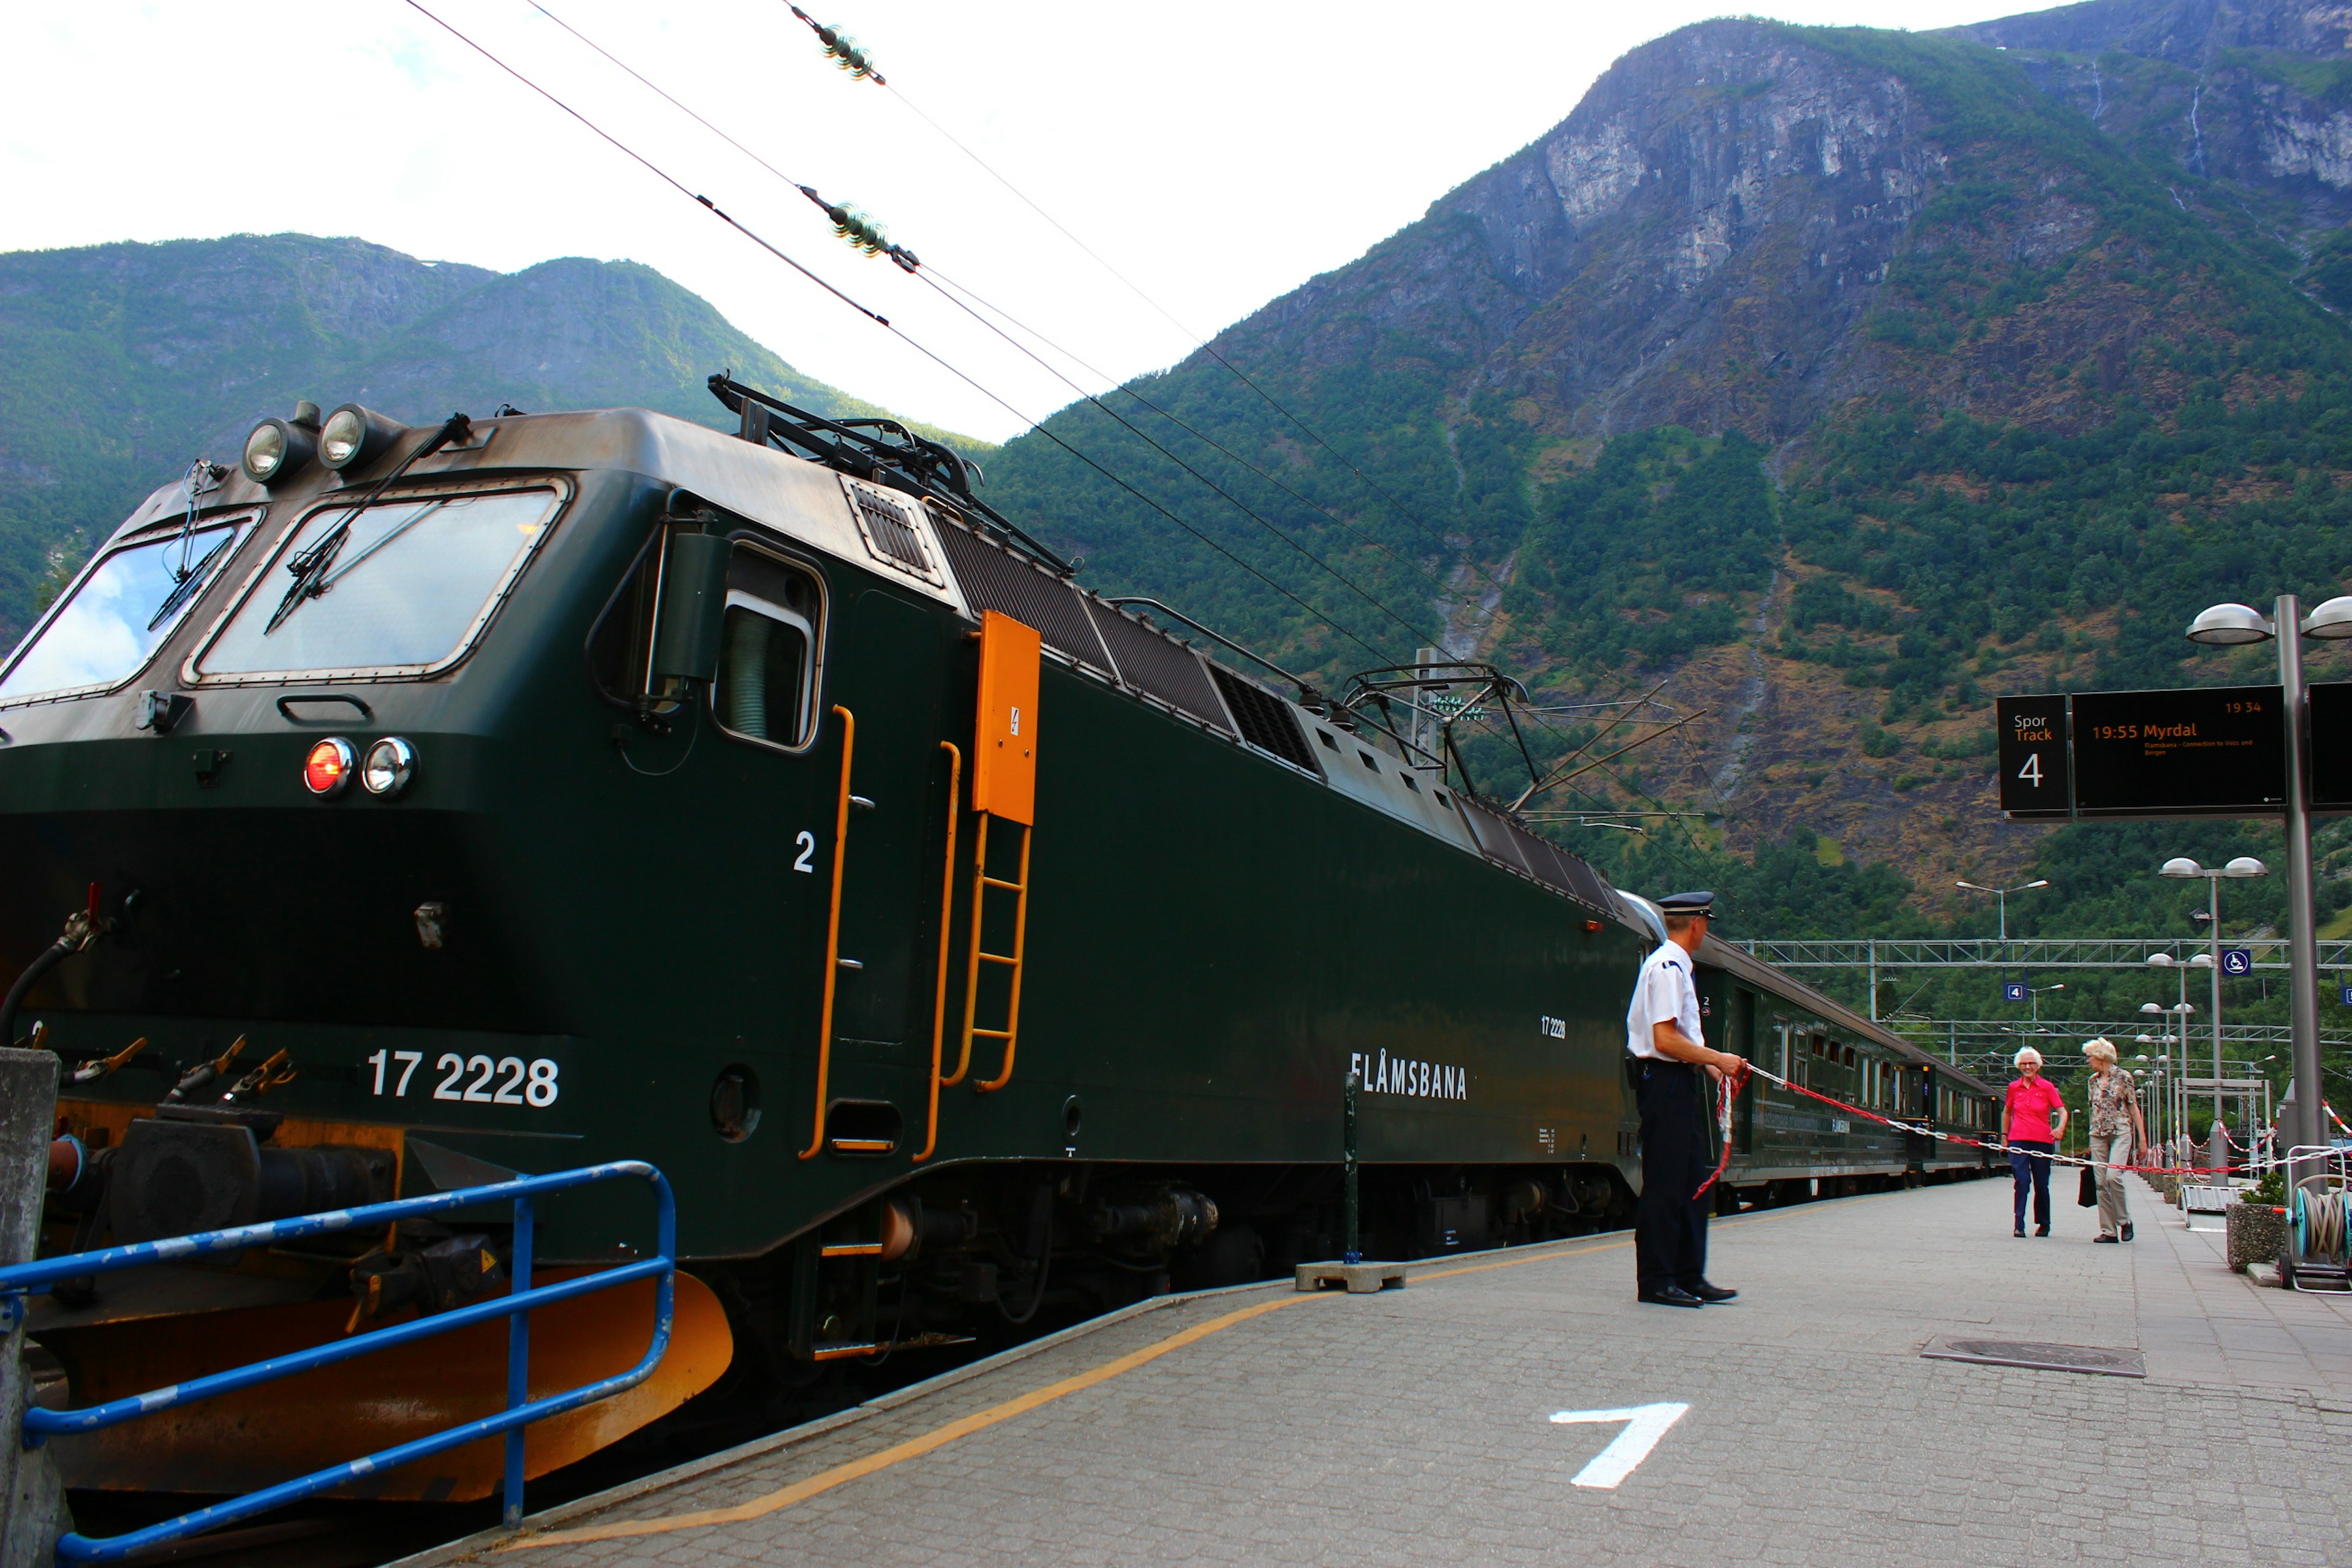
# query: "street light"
{"type": "Point", "coordinates": [2232, 626]}
{"type": "Point", "coordinates": [2033, 997]}
{"type": "Point", "coordinates": [2243, 867]}
{"type": "Point", "coordinates": [2002, 894]}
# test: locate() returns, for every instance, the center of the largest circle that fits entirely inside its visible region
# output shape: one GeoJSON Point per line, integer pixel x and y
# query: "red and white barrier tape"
{"type": "Point", "coordinates": [1921, 1130]}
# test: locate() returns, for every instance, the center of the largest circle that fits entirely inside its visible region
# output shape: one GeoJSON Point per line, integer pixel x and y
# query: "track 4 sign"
{"type": "Point", "coordinates": [2036, 780]}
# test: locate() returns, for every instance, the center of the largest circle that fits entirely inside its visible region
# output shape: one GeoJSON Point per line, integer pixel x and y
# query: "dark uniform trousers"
{"type": "Point", "coordinates": [1669, 1224]}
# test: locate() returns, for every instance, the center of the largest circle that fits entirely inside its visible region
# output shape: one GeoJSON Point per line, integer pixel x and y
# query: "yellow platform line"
{"type": "Point", "coordinates": [979, 1421]}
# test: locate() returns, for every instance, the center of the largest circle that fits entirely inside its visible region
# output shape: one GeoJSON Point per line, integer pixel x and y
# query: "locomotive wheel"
{"type": "Point", "coordinates": [1235, 1255]}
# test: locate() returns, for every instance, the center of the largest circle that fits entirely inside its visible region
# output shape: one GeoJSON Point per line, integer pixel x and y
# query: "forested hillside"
{"type": "Point", "coordinates": [125, 362]}
{"type": "Point", "coordinates": [1840, 378]}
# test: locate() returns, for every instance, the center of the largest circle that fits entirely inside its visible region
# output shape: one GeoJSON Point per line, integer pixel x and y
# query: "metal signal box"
{"type": "Point", "coordinates": [1004, 752]}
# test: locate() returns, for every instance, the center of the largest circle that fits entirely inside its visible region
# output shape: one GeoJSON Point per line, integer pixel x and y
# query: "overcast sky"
{"type": "Point", "coordinates": [1217, 154]}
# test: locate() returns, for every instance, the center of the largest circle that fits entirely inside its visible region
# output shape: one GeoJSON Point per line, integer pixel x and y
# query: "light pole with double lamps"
{"type": "Point", "coordinates": [2227, 626]}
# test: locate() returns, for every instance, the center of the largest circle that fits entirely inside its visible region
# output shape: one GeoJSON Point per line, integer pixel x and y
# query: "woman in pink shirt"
{"type": "Point", "coordinates": [2027, 1129]}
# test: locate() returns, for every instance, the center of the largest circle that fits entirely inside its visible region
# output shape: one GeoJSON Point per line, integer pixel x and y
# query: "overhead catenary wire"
{"type": "Point", "coordinates": [950, 285]}
{"type": "Point", "coordinates": [1108, 411]}
{"type": "Point", "coordinates": [844, 219]}
{"type": "Point", "coordinates": [851, 227]}
{"type": "Point", "coordinates": [872, 315]}
{"type": "Point", "coordinates": [1204, 344]}
{"type": "Point", "coordinates": [907, 262]}
{"type": "Point", "coordinates": [835, 43]}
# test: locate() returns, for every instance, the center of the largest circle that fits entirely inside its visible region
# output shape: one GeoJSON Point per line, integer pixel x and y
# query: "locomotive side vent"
{"type": "Point", "coordinates": [1156, 664]}
{"type": "Point", "coordinates": [1504, 841]}
{"type": "Point", "coordinates": [1266, 721]}
{"type": "Point", "coordinates": [996, 579]}
{"type": "Point", "coordinates": [890, 534]}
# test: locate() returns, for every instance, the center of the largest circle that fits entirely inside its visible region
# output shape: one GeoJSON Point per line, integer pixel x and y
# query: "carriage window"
{"type": "Point", "coordinates": [767, 683]}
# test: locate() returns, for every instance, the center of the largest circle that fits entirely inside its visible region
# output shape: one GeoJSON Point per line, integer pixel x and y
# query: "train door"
{"type": "Point", "coordinates": [889, 675]}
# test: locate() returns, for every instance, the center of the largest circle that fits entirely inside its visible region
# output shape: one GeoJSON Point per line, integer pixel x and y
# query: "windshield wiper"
{"type": "Point", "coordinates": [310, 565]}
{"type": "Point", "coordinates": [330, 579]}
{"type": "Point", "coordinates": [190, 582]}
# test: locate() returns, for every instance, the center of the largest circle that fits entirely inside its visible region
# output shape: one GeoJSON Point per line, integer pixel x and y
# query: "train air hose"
{"type": "Point", "coordinates": [82, 927]}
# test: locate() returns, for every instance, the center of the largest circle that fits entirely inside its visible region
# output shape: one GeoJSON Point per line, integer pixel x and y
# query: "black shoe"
{"type": "Point", "coordinates": [2020, 1233]}
{"type": "Point", "coordinates": [1707, 1292]}
{"type": "Point", "coordinates": [2041, 1230]}
{"type": "Point", "coordinates": [2128, 1234]}
{"type": "Point", "coordinates": [1671, 1296]}
{"type": "Point", "coordinates": [2115, 1238]}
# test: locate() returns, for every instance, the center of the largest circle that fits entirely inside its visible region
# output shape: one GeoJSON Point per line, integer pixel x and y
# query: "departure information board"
{"type": "Point", "coordinates": [2213, 750]}
{"type": "Point", "coordinates": [2035, 780]}
{"type": "Point", "coordinates": [2331, 747]}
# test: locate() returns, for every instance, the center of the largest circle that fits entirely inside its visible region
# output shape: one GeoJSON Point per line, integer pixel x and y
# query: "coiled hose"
{"type": "Point", "coordinates": [2323, 1227]}
{"type": "Point", "coordinates": [49, 959]}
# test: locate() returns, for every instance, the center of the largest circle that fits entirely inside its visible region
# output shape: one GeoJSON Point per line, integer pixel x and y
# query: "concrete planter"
{"type": "Point", "coordinates": [2256, 1234]}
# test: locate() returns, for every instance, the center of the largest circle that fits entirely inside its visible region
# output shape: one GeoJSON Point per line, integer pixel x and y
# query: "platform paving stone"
{"type": "Point", "coordinates": [1377, 1429]}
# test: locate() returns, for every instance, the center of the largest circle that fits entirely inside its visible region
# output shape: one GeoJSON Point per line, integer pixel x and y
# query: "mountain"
{"type": "Point", "coordinates": [125, 362]}
{"type": "Point", "coordinates": [1835, 377]}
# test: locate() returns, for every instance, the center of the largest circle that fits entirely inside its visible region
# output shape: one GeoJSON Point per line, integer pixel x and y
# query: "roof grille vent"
{"type": "Point", "coordinates": [1265, 720]}
{"type": "Point", "coordinates": [890, 534]}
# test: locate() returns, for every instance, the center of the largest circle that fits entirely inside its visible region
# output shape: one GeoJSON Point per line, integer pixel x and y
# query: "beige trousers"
{"type": "Point", "coordinates": [2110, 1151]}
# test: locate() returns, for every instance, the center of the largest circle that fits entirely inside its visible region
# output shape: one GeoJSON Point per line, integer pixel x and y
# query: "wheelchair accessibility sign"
{"type": "Point", "coordinates": [2238, 961]}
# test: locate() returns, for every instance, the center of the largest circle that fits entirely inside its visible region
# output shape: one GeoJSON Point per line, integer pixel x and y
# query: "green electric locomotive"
{"type": "Point", "coordinates": [406, 807]}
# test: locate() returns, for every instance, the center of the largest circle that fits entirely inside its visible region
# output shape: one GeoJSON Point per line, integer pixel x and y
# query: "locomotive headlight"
{"type": "Point", "coordinates": [327, 769]}
{"type": "Point", "coordinates": [275, 449]}
{"type": "Point", "coordinates": [353, 435]}
{"type": "Point", "coordinates": [390, 764]}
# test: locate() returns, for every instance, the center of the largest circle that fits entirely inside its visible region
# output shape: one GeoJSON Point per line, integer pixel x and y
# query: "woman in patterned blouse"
{"type": "Point", "coordinates": [2117, 1132]}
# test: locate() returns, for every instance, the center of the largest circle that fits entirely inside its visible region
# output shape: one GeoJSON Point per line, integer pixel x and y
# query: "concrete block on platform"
{"type": "Point", "coordinates": [1361, 1279]}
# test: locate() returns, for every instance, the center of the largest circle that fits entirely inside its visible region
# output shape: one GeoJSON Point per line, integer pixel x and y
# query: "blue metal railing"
{"type": "Point", "coordinates": [28, 1278]}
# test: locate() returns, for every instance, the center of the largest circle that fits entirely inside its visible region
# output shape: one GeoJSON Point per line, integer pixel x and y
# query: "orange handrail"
{"type": "Point", "coordinates": [946, 910]}
{"type": "Point", "coordinates": [971, 979]}
{"type": "Point", "coordinates": [1020, 940]}
{"type": "Point", "coordinates": [833, 931]}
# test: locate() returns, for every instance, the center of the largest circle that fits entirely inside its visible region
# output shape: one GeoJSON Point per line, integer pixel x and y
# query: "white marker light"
{"type": "Point", "coordinates": [1644, 1425]}
{"type": "Point", "coordinates": [390, 763]}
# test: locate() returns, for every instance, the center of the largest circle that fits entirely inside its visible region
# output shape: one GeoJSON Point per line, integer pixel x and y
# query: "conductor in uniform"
{"type": "Point", "coordinates": [1673, 1065]}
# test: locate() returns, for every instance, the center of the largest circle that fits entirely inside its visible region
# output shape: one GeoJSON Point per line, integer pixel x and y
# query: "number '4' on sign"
{"type": "Point", "coordinates": [1644, 1425]}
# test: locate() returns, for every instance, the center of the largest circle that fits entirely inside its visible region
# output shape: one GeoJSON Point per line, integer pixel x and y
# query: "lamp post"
{"type": "Point", "coordinates": [2176, 1013]}
{"type": "Point", "coordinates": [2234, 624]}
{"type": "Point", "coordinates": [2163, 1101]}
{"type": "Point", "coordinates": [2002, 894]}
{"type": "Point", "coordinates": [2245, 865]}
{"type": "Point", "coordinates": [2196, 961]}
{"type": "Point", "coordinates": [2033, 998]}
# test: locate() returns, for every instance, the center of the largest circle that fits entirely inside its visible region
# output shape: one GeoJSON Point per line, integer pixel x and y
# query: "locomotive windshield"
{"type": "Point", "coordinates": [120, 614]}
{"type": "Point", "coordinates": [409, 587]}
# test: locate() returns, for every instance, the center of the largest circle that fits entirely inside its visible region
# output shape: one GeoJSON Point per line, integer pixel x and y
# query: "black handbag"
{"type": "Point", "coordinates": [2088, 1198]}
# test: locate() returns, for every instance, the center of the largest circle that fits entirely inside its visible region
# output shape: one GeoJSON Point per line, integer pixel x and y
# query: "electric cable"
{"type": "Point", "coordinates": [1204, 344]}
{"type": "Point", "coordinates": [853, 59]}
{"type": "Point", "coordinates": [948, 289]}
{"type": "Point", "coordinates": [945, 283]}
{"type": "Point", "coordinates": [906, 262]}
{"type": "Point", "coordinates": [876, 317]}
{"type": "Point", "coordinates": [1131, 429]}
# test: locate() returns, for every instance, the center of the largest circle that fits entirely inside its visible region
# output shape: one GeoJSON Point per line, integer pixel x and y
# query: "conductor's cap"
{"type": "Point", "coordinates": [1687, 904]}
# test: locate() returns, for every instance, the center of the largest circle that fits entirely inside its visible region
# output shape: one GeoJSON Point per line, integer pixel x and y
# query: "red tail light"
{"type": "Point", "coordinates": [328, 768]}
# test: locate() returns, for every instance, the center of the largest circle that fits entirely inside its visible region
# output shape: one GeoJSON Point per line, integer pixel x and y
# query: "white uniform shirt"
{"type": "Point", "coordinates": [1665, 994]}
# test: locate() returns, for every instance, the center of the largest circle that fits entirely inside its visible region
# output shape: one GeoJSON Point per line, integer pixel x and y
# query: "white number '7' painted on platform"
{"type": "Point", "coordinates": [1644, 1425]}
